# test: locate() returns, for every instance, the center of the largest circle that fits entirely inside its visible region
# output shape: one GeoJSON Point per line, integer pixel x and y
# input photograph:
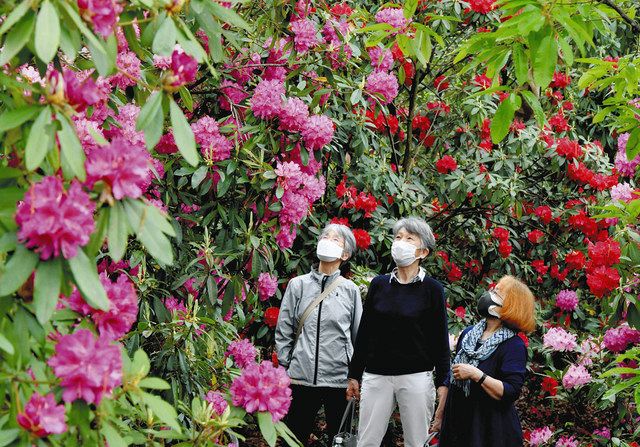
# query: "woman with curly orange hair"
{"type": "Point", "coordinates": [489, 370]}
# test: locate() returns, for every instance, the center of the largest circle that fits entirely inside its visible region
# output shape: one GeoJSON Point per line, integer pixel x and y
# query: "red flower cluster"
{"type": "Point", "coordinates": [460, 312]}
{"type": "Point", "coordinates": [535, 236]}
{"type": "Point", "coordinates": [407, 65]}
{"type": "Point", "coordinates": [422, 125]}
{"type": "Point", "coordinates": [485, 135]}
{"type": "Point", "coordinates": [440, 83]}
{"type": "Point", "coordinates": [544, 214]}
{"type": "Point", "coordinates": [575, 260]}
{"type": "Point", "coordinates": [483, 81]}
{"type": "Point", "coordinates": [352, 199]}
{"type": "Point", "coordinates": [584, 223]}
{"type": "Point", "coordinates": [559, 123]}
{"type": "Point", "coordinates": [363, 239]}
{"type": "Point", "coordinates": [550, 385]}
{"type": "Point", "coordinates": [560, 80]}
{"type": "Point", "coordinates": [482, 6]}
{"type": "Point", "coordinates": [454, 274]}
{"type": "Point", "coordinates": [341, 9]}
{"type": "Point", "coordinates": [474, 266]}
{"type": "Point", "coordinates": [382, 123]}
{"type": "Point", "coordinates": [341, 221]}
{"type": "Point", "coordinates": [539, 266]}
{"type": "Point", "coordinates": [438, 107]}
{"type": "Point", "coordinates": [446, 164]}
{"type": "Point", "coordinates": [568, 148]}
{"type": "Point", "coordinates": [504, 247]}
{"type": "Point", "coordinates": [366, 202]}
{"type": "Point", "coordinates": [602, 278]}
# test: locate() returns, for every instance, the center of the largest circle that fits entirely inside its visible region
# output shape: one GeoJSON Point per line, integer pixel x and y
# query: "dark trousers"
{"type": "Point", "coordinates": [305, 403]}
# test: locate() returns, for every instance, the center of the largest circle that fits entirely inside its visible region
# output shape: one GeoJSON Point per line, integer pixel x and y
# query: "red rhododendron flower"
{"type": "Point", "coordinates": [460, 311]}
{"type": "Point", "coordinates": [535, 236]}
{"type": "Point", "coordinates": [539, 266]}
{"type": "Point", "coordinates": [605, 253]}
{"type": "Point", "coordinates": [482, 6]}
{"type": "Point", "coordinates": [557, 274]}
{"type": "Point", "coordinates": [440, 83]}
{"type": "Point", "coordinates": [601, 182]}
{"type": "Point", "coordinates": [367, 203]}
{"type": "Point", "coordinates": [568, 148]}
{"type": "Point", "coordinates": [602, 280]}
{"type": "Point", "coordinates": [341, 221]}
{"type": "Point", "coordinates": [454, 274]}
{"type": "Point", "coordinates": [502, 234]}
{"type": "Point", "coordinates": [271, 316]}
{"type": "Point", "coordinates": [560, 80]}
{"type": "Point", "coordinates": [579, 172]}
{"type": "Point", "coordinates": [483, 81]}
{"type": "Point", "coordinates": [446, 164]}
{"type": "Point", "coordinates": [559, 123]}
{"type": "Point", "coordinates": [584, 223]}
{"type": "Point", "coordinates": [550, 386]}
{"type": "Point", "coordinates": [474, 266]}
{"type": "Point", "coordinates": [544, 214]}
{"type": "Point", "coordinates": [505, 248]}
{"type": "Point", "coordinates": [363, 239]}
{"type": "Point", "coordinates": [184, 68]}
{"type": "Point", "coordinates": [341, 9]}
{"type": "Point", "coordinates": [575, 260]}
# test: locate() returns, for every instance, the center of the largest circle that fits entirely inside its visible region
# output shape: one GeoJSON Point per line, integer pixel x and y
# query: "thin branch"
{"type": "Point", "coordinates": [611, 4]}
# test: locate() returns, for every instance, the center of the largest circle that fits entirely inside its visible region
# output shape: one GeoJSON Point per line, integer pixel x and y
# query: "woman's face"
{"type": "Point", "coordinates": [413, 239]}
{"type": "Point", "coordinates": [333, 236]}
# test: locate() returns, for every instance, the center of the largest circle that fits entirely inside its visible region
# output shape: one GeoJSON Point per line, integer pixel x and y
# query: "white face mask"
{"type": "Point", "coordinates": [403, 253]}
{"type": "Point", "coordinates": [328, 251]}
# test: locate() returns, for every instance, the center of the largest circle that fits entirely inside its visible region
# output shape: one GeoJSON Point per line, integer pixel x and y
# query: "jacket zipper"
{"type": "Point", "coordinates": [315, 374]}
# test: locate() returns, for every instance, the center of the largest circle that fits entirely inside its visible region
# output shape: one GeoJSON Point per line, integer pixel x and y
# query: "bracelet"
{"type": "Point", "coordinates": [482, 379]}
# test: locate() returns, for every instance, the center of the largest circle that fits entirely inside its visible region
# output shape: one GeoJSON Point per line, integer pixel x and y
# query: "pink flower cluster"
{"type": "Point", "coordinates": [304, 35]}
{"type": "Point", "coordinates": [317, 132]}
{"type": "Point", "coordinates": [175, 307]}
{"type": "Point", "coordinates": [267, 285]}
{"type": "Point", "coordinates": [42, 416]}
{"type": "Point", "coordinates": [89, 367]}
{"type": "Point", "coordinates": [266, 101]}
{"type": "Point", "coordinates": [576, 375]}
{"type": "Point", "coordinates": [384, 84]}
{"type": "Point", "coordinates": [183, 69]}
{"type": "Point", "coordinates": [293, 115]}
{"type": "Point", "coordinates": [53, 220]}
{"type": "Point", "coordinates": [80, 93]}
{"type": "Point", "coordinates": [604, 432]}
{"type": "Point", "coordinates": [540, 436]}
{"type": "Point", "coordinates": [243, 352]}
{"type": "Point", "coordinates": [263, 387]}
{"type": "Point", "coordinates": [557, 339]}
{"type": "Point", "coordinates": [217, 401]}
{"type": "Point", "coordinates": [232, 93]}
{"type": "Point", "coordinates": [567, 441]}
{"type": "Point", "coordinates": [624, 166]}
{"type": "Point", "coordinates": [126, 118]}
{"type": "Point", "coordinates": [103, 14]}
{"type": "Point", "coordinates": [124, 167]}
{"type": "Point", "coordinates": [129, 67]}
{"type": "Point", "coordinates": [619, 338]}
{"type": "Point", "coordinates": [213, 145]}
{"type": "Point", "coordinates": [567, 300]}
{"type": "Point", "coordinates": [381, 58]}
{"type": "Point", "coordinates": [623, 191]}
{"type": "Point", "coordinates": [392, 16]}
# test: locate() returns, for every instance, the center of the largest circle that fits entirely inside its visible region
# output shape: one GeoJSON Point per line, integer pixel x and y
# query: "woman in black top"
{"type": "Point", "coordinates": [489, 370]}
{"type": "Point", "coordinates": [402, 338]}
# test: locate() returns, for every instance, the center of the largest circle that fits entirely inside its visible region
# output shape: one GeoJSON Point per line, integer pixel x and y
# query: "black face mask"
{"type": "Point", "coordinates": [489, 304]}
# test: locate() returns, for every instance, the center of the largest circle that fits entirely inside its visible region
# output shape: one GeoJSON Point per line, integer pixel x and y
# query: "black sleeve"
{"type": "Point", "coordinates": [439, 339]}
{"type": "Point", "coordinates": [358, 362]}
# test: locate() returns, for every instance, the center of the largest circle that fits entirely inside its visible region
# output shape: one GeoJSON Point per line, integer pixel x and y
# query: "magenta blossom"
{"type": "Point", "coordinates": [263, 387]}
{"type": "Point", "coordinates": [304, 35]}
{"type": "Point", "coordinates": [89, 367]}
{"type": "Point", "coordinates": [184, 68]}
{"type": "Point", "coordinates": [243, 352]}
{"type": "Point", "coordinates": [266, 102]}
{"type": "Point", "coordinates": [384, 84]}
{"type": "Point", "coordinates": [42, 416]}
{"type": "Point", "coordinates": [103, 14]}
{"type": "Point", "coordinates": [213, 145]}
{"type": "Point", "coordinates": [123, 310]}
{"type": "Point", "coordinates": [567, 300]}
{"type": "Point", "coordinates": [317, 132]}
{"type": "Point", "coordinates": [392, 16]}
{"type": "Point", "coordinates": [80, 93]}
{"type": "Point", "coordinates": [129, 70]}
{"type": "Point", "coordinates": [54, 221]}
{"type": "Point", "coordinates": [124, 168]}
{"type": "Point", "coordinates": [217, 401]}
{"type": "Point", "coordinates": [293, 115]}
{"type": "Point", "coordinates": [576, 375]}
{"type": "Point", "coordinates": [267, 285]}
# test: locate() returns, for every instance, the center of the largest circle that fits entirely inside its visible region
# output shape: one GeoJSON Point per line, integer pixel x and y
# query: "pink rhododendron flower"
{"type": "Point", "coordinates": [174, 306]}
{"type": "Point", "coordinates": [183, 67]}
{"type": "Point", "coordinates": [567, 441]}
{"type": "Point", "coordinates": [331, 29]}
{"type": "Point", "coordinates": [129, 64]}
{"type": "Point", "coordinates": [381, 58]}
{"type": "Point", "coordinates": [619, 338]}
{"type": "Point", "coordinates": [123, 309]}
{"type": "Point", "coordinates": [393, 16]}
{"type": "Point", "coordinates": [42, 416]}
{"type": "Point", "coordinates": [217, 401]}
{"type": "Point", "coordinates": [263, 388]}
{"type": "Point", "coordinates": [317, 132]}
{"type": "Point", "coordinates": [213, 145]}
{"type": "Point", "coordinates": [567, 300]}
{"type": "Point", "coordinates": [289, 175]}
{"type": "Point", "coordinates": [266, 101]}
{"type": "Point", "coordinates": [55, 221]}
{"type": "Point", "coordinates": [624, 192]}
{"type": "Point", "coordinates": [625, 166]}
{"type": "Point", "coordinates": [85, 129]}
{"type": "Point", "coordinates": [557, 339]}
{"type": "Point", "coordinates": [540, 436]}
{"type": "Point", "coordinates": [304, 35]}
{"type": "Point", "coordinates": [576, 375]}
{"type": "Point", "coordinates": [124, 168]}
{"type": "Point", "coordinates": [604, 432]}
{"type": "Point", "coordinates": [126, 118]}
{"type": "Point", "coordinates": [285, 237]}
{"type": "Point", "coordinates": [293, 115]}
{"type": "Point", "coordinates": [267, 285]}
{"type": "Point", "coordinates": [103, 14]}
{"type": "Point", "coordinates": [231, 93]}
{"type": "Point", "coordinates": [243, 352]}
{"type": "Point", "coordinates": [80, 93]}
{"type": "Point", "coordinates": [384, 84]}
{"type": "Point", "coordinates": [89, 367]}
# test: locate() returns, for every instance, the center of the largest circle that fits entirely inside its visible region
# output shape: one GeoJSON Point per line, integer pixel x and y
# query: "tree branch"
{"type": "Point", "coordinates": [611, 4]}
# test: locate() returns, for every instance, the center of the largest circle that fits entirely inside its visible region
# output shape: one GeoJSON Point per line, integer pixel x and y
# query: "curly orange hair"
{"type": "Point", "coordinates": [518, 309]}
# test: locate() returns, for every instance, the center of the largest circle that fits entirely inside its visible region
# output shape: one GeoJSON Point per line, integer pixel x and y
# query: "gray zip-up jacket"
{"type": "Point", "coordinates": [322, 354]}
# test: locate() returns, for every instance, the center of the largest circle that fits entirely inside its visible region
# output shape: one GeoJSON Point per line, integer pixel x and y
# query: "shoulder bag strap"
{"type": "Point", "coordinates": [336, 282]}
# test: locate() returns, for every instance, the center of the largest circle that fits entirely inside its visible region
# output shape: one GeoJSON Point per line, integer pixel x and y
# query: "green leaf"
{"type": "Point", "coordinates": [8, 436]}
{"type": "Point", "coordinates": [150, 227]}
{"type": "Point", "coordinates": [112, 436]}
{"type": "Point", "coordinates": [47, 288]}
{"type": "Point", "coordinates": [18, 12]}
{"type": "Point", "coordinates": [227, 299]}
{"type": "Point", "coordinates": [91, 38]}
{"type": "Point", "coordinates": [47, 37]}
{"type": "Point", "coordinates": [6, 345]}
{"type": "Point", "coordinates": [267, 427]}
{"type": "Point", "coordinates": [154, 383]}
{"type": "Point", "coordinates": [503, 118]}
{"type": "Point", "coordinates": [104, 55]}
{"type": "Point", "coordinates": [163, 410]}
{"type": "Point", "coordinates": [117, 232]}
{"type": "Point", "coordinates": [183, 134]}
{"type": "Point", "coordinates": [409, 8]}
{"type": "Point", "coordinates": [544, 63]}
{"type": "Point", "coordinates": [71, 151]}
{"type": "Point", "coordinates": [39, 142]}
{"type": "Point", "coordinates": [227, 15]}
{"type": "Point", "coordinates": [533, 102]}
{"type": "Point", "coordinates": [17, 270]}
{"type": "Point", "coordinates": [520, 64]}
{"type": "Point", "coordinates": [141, 364]}
{"type": "Point", "coordinates": [70, 42]}
{"type": "Point", "coordinates": [199, 176]}
{"type": "Point", "coordinates": [13, 118]}
{"type": "Point", "coordinates": [165, 39]}
{"type": "Point", "coordinates": [633, 144]}
{"type": "Point", "coordinates": [151, 116]}
{"type": "Point", "coordinates": [567, 51]}
{"type": "Point", "coordinates": [87, 279]}
{"type": "Point", "coordinates": [212, 290]}
{"type": "Point", "coordinates": [17, 38]}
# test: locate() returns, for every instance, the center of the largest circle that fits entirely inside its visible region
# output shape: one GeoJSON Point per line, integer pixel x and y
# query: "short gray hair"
{"type": "Point", "coordinates": [345, 233]}
{"type": "Point", "coordinates": [419, 227]}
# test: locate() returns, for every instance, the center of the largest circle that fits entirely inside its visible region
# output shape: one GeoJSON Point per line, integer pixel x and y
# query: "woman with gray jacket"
{"type": "Point", "coordinates": [315, 334]}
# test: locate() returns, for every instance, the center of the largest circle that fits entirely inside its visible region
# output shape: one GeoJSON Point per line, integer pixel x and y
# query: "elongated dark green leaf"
{"type": "Point", "coordinates": [47, 288]}
{"type": "Point", "coordinates": [165, 38]}
{"type": "Point", "coordinates": [112, 436]}
{"type": "Point", "coordinates": [13, 118]}
{"type": "Point", "coordinates": [151, 117]}
{"type": "Point", "coordinates": [532, 100]}
{"type": "Point", "coordinates": [87, 279]}
{"type": "Point", "coordinates": [47, 37]}
{"type": "Point", "coordinates": [267, 428]}
{"type": "Point", "coordinates": [17, 38]}
{"type": "Point", "coordinates": [154, 383]}
{"type": "Point", "coordinates": [503, 118]}
{"type": "Point", "coordinates": [18, 270]}
{"type": "Point", "coordinates": [104, 55]}
{"type": "Point", "coordinates": [71, 152]}
{"type": "Point", "coordinates": [410, 8]}
{"type": "Point", "coordinates": [633, 144]}
{"type": "Point", "coordinates": [163, 410]}
{"type": "Point", "coordinates": [227, 299]}
{"type": "Point", "coordinates": [520, 64]}
{"type": "Point", "coordinates": [183, 134]}
{"type": "Point", "coordinates": [227, 15]}
{"type": "Point", "coordinates": [39, 142]}
{"type": "Point", "coordinates": [17, 13]}
{"type": "Point", "coordinates": [150, 228]}
{"type": "Point", "coordinates": [544, 63]}
{"type": "Point", "coordinates": [118, 232]}
{"type": "Point", "coordinates": [6, 345]}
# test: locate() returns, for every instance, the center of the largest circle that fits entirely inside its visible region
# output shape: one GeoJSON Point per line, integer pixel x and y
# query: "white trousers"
{"type": "Point", "coordinates": [415, 395]}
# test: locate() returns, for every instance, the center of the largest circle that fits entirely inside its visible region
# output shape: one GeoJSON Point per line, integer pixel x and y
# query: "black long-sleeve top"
{"type": "Point", "coordinates": [403, 330]}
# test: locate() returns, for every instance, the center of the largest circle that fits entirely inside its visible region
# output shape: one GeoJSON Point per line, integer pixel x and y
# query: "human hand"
{"type": "Point", "coordinates": [462, 371]}
{"type": "Point", "coordinates": [353, 389]}
{"type": "Point", "coordinates": [436, 424]}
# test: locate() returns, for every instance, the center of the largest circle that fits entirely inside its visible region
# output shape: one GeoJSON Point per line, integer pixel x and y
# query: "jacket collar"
{"type": "Point", "coordinates": [418, 278]}
{"type": "Point", "coordinates": [318, 277]}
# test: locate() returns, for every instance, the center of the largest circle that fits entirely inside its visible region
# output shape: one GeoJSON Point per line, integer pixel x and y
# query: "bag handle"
{"type": "Point", "coordinates": [349, 410]}
{"type": "Point", "coordinates": [315, 303]}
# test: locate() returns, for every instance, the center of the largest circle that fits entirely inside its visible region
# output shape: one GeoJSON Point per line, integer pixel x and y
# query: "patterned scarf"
{"type": "Point", "coordinates": [468, 353]}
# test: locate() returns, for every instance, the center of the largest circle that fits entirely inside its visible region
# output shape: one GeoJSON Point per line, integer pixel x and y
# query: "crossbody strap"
{"type": "Point", "coordinates": [315, 303]}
